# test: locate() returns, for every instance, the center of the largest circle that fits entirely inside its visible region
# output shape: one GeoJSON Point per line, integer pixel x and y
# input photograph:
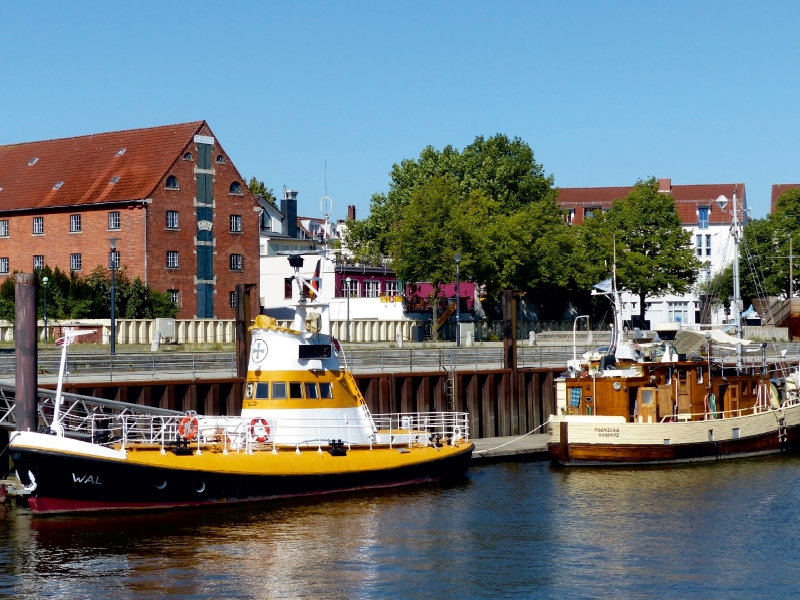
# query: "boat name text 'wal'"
{"type": "Point", "coordinates": [95, 479]}
{"type": "Point", "coordinates": [607, 431]}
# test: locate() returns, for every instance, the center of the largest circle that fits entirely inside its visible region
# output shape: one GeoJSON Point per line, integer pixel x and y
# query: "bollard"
{"type": "Point", "coordinates": [532, 339]}
{"type": "Point", "coordinates": [26, 378]}
{"type": "Point", "coordinates": [399, 339]}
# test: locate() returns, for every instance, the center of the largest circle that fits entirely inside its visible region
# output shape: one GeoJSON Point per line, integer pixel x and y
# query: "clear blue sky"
{"type": "Point", "coordinates": [604, 92]}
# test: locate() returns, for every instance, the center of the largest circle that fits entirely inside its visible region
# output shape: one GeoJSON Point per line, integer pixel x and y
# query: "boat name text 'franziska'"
{"type": "Point", "coordinates": [607, 431]}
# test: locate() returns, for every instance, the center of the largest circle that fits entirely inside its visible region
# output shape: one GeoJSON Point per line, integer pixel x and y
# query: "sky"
{"type": "Point", "coordinates": [314, 94]}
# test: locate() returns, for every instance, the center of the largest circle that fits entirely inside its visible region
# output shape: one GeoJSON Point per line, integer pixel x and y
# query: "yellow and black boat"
{"type": "Point", "coordinates": [304, 429]}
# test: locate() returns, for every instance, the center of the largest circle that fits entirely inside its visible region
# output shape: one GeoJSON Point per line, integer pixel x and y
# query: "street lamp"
{"type": "Point", "coordinates": [457, 258]}
{"type": "Point", "coordinates": [112, 256]}
{"type": "Point", "coordinates": [44, 282]}
{"type": "Point", "coordinates": [347, 281]}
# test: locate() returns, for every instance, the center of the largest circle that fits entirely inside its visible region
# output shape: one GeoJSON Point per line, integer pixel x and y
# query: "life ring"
{"type": "Point", "coordinates": [259, 430]}
{"type": "Point", "coordinates": [391, 299]}
{"type": "Point", "coordinates": [188, 428]}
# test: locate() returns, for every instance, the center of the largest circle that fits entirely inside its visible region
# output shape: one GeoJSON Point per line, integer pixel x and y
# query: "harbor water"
{"type": "Point", "coordinates": [514, 530]}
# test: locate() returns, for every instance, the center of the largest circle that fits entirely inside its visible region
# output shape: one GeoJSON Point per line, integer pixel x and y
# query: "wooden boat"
{"type": "Point", "coordinates": [625, 408]}
{"type": "Point", "coordinates": [304, 429]}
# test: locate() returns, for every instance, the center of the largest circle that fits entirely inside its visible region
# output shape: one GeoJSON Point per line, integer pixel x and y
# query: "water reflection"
{"type": "Point", "coordinates": [507, 530]}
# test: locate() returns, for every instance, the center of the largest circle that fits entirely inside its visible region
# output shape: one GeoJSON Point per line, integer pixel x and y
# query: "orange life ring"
{"type": "Point", "coordinates": [190, 432]}
{"type": "Point", "coordinates": [259, 430]}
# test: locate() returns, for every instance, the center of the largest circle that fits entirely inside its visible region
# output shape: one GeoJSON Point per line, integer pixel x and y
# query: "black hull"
{"type": "Point", "coordinates": [67, 483]}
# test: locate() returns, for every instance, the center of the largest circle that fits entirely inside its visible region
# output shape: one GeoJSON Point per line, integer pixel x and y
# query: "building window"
{"type": "Point", "coordinates": [172, 183]}
{"type": "Point", "coordinates": [172, 219]}
{"type": "Point", "coordinates": [172, 259]}
{"type": "Point", "coordinates": [232, 299]}
{"type": "Point", "coordinates": [113, 220]}
{"type": "Point", "coordinates": [113, 259]}
{"type": "Point", "coordinates": [173, 296]}
{"type": "Point", "coordinates": [188, 156]}
{"type": "Point", "coordinates": [372, 289]}
{"type": "Point", "coordinates": [38, 225]}
{"type": "Point", "coordinates": [287, 287]}
{"type": "Point", "coordinates": [74, 223]}
{"type": "Point", "coordinates": [236, 188]}
{"type": "Point", "coordinates": [353, 291]}
{"type": "Point", "coordinates": [708, 244]}
{"type": "Point", "coordinates": [3, 265]}
{"type": "Point", "coordinates": [391, 288]}
{"type": "Point", "coordinates": [699, 245]}
{"type": "Point", "coordinates": [702, 214]}
{"type": "Point", "coordinates": [236, 223]}
{"type": "Point", "coordinates": [220, 159]}
{"type": "Point", "coordinates": [114, 179]}
{"type": "Point", "coordinates": [678, 312]}
{"type": "Point", "coordinates": [75, 262]}
{"type": "Point", "coordinates": [590, 212]}
{"type": "Point", "coordinates": [4, 228]}
{"type": "Point", "coordinates": [38, 261]}
{"type": "Point", "coordinates": [236, 262]}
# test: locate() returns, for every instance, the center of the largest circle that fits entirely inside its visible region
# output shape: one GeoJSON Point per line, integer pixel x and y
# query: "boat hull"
{"type": "Point", "coordinates": [580, 443]}
{"type": "Point", "coordinates": [68, 482]}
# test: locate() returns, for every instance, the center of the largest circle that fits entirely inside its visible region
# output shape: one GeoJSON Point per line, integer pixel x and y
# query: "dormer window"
{"type": "Point", "coordinates": [114, 179]}
{"type": "Point", "coordinates": [236, 188]}
{"type": "Point", "coordinates": [32, 161]}
{"type": "Point", "coordinates": [58, 185]}
{"type": "Point", "coordinates": [172, 183]}
{"type": "Point", "coordinates": [121, 151]}
{"type": "Point", "coordinates": [188, 156]}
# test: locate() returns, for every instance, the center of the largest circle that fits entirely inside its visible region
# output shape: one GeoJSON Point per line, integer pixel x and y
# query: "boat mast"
{"type": "Point", "coordinates": [737, 297]}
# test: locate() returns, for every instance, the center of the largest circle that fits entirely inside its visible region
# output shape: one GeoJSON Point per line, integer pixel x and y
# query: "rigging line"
{"type": "Point", "coordinates": [514, 440]}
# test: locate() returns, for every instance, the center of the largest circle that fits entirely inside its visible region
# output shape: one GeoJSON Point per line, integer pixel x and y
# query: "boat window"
{"type": "Point", "coordinates": [325, 390]}
{"type": "Point", "coordinates": [278, 391]}
{"type": "Point", "coordinates": [311, 391]}
{"type": "Point", "coordinates": [295, 390]}
{"type": "Point", "coordinates": [699, 374]}
{"type": "Point", "coordinates": [575, 396]}
{"type": "Point", "coordinates": [262, 391]}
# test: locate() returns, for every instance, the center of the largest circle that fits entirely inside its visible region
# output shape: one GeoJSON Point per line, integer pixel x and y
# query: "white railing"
{"type": "Point", "coordinates": [758, 408]}
{"type": "Point", "coordinates": [244, 434]}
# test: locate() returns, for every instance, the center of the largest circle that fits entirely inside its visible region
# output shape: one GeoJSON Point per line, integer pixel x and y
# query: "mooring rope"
{"type": "Point", "coordinates": [514, 440]}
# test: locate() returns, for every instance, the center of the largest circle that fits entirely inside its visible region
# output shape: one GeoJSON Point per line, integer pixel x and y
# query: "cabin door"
{"type": "Point", "coordinates": [732, 397]}
{"type": "Point", "coordinates": [666, 405]}
{"type": "Point", "coordinates": [684, 394]}
{"type": "Point", "coordinates": [646, 404]}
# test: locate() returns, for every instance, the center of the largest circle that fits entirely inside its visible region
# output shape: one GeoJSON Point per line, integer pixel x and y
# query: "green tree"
{"type": "Point", "coordinates": [259, 189]}
{"type": "Point", "coordinates": [501, 169]}
{"type": "Point", "coordinates": [653, 252]}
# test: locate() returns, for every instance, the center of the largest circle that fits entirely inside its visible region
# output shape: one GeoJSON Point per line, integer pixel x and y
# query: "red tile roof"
{"type": "Point", "coordinates": [777, 191]}
{"type": "Point", "coordinates": [687, 199]}
{"type": "Point", "coordinates": [87, 164]}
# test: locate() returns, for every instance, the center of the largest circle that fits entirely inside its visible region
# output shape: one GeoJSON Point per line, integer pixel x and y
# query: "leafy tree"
{"type": "Point", "coordinates": [653, 251]}
{"type": "Point", "coordinates": [259, 189]}
{"type": "Point", "coordinates": [766, 245]}
{"type": "Point", "coordinates": [501, 169]}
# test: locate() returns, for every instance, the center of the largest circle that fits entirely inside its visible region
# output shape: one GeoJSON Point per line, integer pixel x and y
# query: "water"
{"type": "Point", "coordinates": [524, 530]}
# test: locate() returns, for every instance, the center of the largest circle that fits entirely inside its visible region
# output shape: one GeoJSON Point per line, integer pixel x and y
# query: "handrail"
{"type": "Point", "coordinates": [728, 414]}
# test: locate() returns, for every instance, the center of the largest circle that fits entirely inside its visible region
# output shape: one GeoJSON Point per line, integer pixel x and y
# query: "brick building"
{"type": "Point", "coordinates": [183, 216]}
{"type": "Point", "coordinates": [699, 213]}
{"type": "Point", "coordinates": [777, 191]}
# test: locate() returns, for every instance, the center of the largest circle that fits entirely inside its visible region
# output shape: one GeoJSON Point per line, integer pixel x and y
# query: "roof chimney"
{"type": "Point", "coordinates": [289, 210]}
{"type": "Point", "coordinates": [665, 185]}
{"type": "Point", "coordinates": [351, 213]}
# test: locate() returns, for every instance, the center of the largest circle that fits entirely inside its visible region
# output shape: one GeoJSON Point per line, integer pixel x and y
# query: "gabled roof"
{"type": "Point", "coordinates": [87, 164]}
{"type": "Point", "coordinates": [777, 190]}
{"type": "Point", "coordinates": [687, 199]}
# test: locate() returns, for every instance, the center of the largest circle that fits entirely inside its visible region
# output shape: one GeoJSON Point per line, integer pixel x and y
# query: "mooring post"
{"type": "Point", "coordinates": [26, 353]}
{"type": "Point", "coordinates": [510, 359]}
{"type": "Point", "coordinates": [242, 327]}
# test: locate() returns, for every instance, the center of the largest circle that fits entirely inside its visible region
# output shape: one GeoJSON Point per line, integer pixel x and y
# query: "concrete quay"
{"type": "Point", "coordinates": [511, 448]}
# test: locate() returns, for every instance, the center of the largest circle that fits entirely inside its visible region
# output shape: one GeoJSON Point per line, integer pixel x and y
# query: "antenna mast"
{"type": "Point", "coordinates": [737, 294]}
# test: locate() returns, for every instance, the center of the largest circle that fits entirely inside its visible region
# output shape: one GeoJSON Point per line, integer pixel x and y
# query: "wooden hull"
{"type": "Point", "coordinates": [67, 482]}
{"type": "Point", "coordinates": [579, 443]}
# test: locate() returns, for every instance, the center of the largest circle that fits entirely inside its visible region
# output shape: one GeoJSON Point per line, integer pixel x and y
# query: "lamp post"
{"type": "Point", "coordinates": [347, 281]}
{"type": "Point", "coordinates": [44, 282]}
{"type": "Point", "coordinates": [113, 264]}
{"type": "Point", "coordinates": [457, 258]}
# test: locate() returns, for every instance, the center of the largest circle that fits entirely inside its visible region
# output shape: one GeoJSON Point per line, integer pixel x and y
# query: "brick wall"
{"type": "Point", "coordinates": [57, 243]}
{"type": "Point", "coordinates": [160, 240]}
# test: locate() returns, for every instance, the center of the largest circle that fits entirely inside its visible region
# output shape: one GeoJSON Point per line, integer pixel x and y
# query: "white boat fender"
{"type": "Point", "coordinates": [32, 487]}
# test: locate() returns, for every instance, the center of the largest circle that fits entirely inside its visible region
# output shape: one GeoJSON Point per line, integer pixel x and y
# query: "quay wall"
{"type": "Point", "coordinates": [484, 394]}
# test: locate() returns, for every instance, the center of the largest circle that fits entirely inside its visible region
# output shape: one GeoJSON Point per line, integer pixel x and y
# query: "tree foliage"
{"type": "Point", "coordinates": [259, 189]}
{"type": "Point", "coordinates": [501, 169]}
{"type": "Point", "coordinates": [70, 296]}
{"type": "Point", "coordinates": [653, 252]}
